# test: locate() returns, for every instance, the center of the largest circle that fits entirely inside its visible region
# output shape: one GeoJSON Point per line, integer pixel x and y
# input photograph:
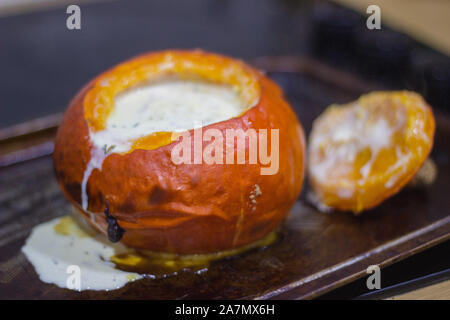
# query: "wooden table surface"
{"type": "Point", "coordinates": [439, 291]}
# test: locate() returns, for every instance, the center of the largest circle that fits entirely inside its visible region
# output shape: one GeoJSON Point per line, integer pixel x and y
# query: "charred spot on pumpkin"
{"type": "Point", "coordinates": [96, 201]}
{"type": "Point", "coordinates": [129, 205]}
{"type": "Point", "coordinates": [60, 175]}
{"type": "Point", "coordinates": [74, 191]}
{"type": "Point", "coordinates": [159, 195]}
{"type": "Point", "coordinates": [60, 157]}
{"type": "Point", "coordinates": [115, 232]}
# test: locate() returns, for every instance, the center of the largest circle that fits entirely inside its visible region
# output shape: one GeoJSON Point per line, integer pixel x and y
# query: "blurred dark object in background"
{"type": "Point", "coordinates": [43, 64]}
{"type": "Point", "coordinates": [384, 56]}
{"type": "Point", "coordinates": [383, 53]}
{"type": "Point", "coordinates": [335, 28]}
{"type": "Point", "coordinates": [342, 38]}
{"type": "Point", "coordinates": [436, 84]}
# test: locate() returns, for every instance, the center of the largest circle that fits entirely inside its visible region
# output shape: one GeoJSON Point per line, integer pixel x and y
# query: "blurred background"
{"type": "Point", "coordinates": [43, 63]}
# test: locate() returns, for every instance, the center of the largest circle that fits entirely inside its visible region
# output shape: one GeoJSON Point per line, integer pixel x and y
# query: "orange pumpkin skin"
{"type": "Point", "coordinates": [185, 208]}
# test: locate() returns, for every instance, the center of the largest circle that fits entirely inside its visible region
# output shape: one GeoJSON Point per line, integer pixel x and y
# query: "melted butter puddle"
{"type": "Point", "coordinates": [56, 245]}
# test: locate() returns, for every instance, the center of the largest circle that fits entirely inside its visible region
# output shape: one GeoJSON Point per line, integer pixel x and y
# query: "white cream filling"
{"type": "Point", "coordinates": [60, 259]}
{"type": "Point", "coordinates": [170, 106]}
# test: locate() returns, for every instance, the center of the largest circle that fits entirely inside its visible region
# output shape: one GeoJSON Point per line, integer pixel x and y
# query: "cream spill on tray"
{"type": "Point", "coordinates": [55, 245]}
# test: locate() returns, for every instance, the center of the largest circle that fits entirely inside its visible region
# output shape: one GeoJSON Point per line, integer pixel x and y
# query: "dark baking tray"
{"type": "Point", "coordinates": [314, 253]}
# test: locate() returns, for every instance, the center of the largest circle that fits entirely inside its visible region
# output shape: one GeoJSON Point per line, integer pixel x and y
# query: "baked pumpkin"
{"type": "Point", "coordinates": [363, 152]}
{"type": "Point", "coordinates": [159, 205]}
